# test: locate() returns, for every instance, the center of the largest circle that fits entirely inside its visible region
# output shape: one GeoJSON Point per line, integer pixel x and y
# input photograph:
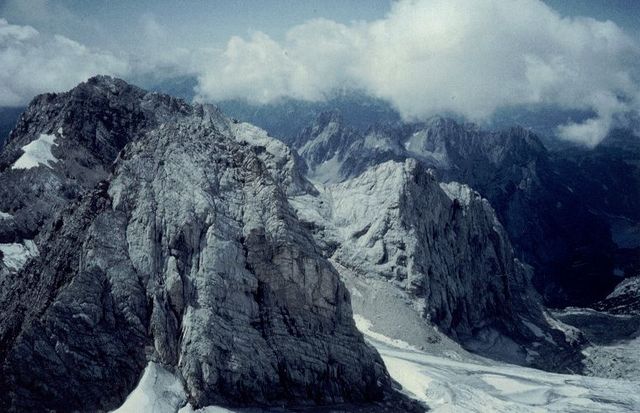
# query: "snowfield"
{"type": "Point", "coordinates": [158, 391]}
{"type": "Point", "coordinates": [448, 385]}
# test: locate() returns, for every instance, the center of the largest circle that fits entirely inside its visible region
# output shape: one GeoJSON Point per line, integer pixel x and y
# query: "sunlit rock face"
{"type": "Point", "coordinates": [181, 248]}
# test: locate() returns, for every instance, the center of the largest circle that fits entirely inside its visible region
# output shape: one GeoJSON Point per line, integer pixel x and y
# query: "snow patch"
{"type": "Point", "coordinates": [365, 325]}
{"type": "Point", "coordinates": [418, 144]}
{"type": "Point", "coordinates": [326, 172]}
{"type": "Point", "coordinates": [456, 190]}
{"type": "Point", "coordinates": [37, 153]}
{"type": "Point", "coordinates": [16, 255]}
{"type": "Point", "coordinates": [4, 215]}
{"type": "Point", "coordinates": [159, 391]}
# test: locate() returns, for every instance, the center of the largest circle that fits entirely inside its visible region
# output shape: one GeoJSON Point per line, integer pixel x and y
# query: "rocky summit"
{"type": "Point", "coordinates": [144, 229]}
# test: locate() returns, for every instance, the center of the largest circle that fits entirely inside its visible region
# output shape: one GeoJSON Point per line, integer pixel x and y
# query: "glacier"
{"type": "Point", "coordinates": [466, 383]}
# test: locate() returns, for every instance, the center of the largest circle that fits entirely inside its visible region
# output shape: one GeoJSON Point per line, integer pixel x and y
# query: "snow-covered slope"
{"type": "Point", "coordinates": [445, 377]}
{"type": "Point", "coordinates": [159, 391]}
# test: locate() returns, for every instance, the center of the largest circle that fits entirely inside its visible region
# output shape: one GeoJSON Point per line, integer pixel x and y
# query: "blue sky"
{"type": "Point", "coordinates": [115, 23]}
{"type": "Point", "coordinates": [625, 13]}
{"type": "Point", "coordinates": [194, 22]}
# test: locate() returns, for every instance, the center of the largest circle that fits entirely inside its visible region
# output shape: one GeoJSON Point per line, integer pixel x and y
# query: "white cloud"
{"type": "Point", "coordinates": [158, 53]}
{"type": "Point", "coordinates": [32, 63]}
{"type": "Point", "coordinates": [433, 56]}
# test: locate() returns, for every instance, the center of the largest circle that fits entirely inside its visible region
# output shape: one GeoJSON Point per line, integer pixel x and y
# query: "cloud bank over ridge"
{"type": "Point", "coordinates": [425, 57]}
{"type": "Point", "coordinates": [433, 56]}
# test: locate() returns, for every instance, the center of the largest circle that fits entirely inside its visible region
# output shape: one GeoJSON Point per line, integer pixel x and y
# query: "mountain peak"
{"type": "Point", "coordinates": [177, 184]}
{"type": "Point", "coordinates": [105, 86]}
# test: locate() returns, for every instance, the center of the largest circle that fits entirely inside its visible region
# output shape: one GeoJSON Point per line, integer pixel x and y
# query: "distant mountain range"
{"type": "Point", "coordinates": [572, 212]}
{"type": "Point", "coordinates": [598, 189]}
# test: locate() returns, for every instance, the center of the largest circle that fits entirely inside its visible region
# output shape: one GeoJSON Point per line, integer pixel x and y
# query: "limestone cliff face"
{"type": "Point", "coordinates": [84, 129]}
{"type": "Point", "coordinates": [187, 254]}
{"type": "Point", "coordinates": [394, 231]}
{"type": "Point", "coordinates": [568, 245]}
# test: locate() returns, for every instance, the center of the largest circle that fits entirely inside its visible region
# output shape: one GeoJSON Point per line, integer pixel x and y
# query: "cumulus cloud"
{"type": "Point", "coordinates": [34, 63]}
{"type": "Point", "coordinates": [434, 56]}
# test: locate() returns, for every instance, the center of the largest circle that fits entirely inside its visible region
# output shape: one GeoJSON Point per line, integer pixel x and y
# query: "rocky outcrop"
{"type": "Point", "coordinates": [408, 246]}
{"type": "Point", "coordinates": [625, 299]}
{"type": "Point", "coordinates": [86, 128]}
{"type": "Point", "coordinates": [284, 164]}
{"type": "Point", "coordinates": [187, 255]}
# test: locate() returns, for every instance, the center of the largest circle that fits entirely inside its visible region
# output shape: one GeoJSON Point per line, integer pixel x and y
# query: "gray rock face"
{"type": "Point", "coordinates": [398, 224]}
{"type": "Point", "coordinates": [284, 164]}
{"type": "Point", "coordinates": [187, 255]}
{"type": "Point", "coordinates": [625, 299]}
{"type": "Point", "coordinates": [394, 231]}
{"type": "Point", "coordinates": [334, 152]}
